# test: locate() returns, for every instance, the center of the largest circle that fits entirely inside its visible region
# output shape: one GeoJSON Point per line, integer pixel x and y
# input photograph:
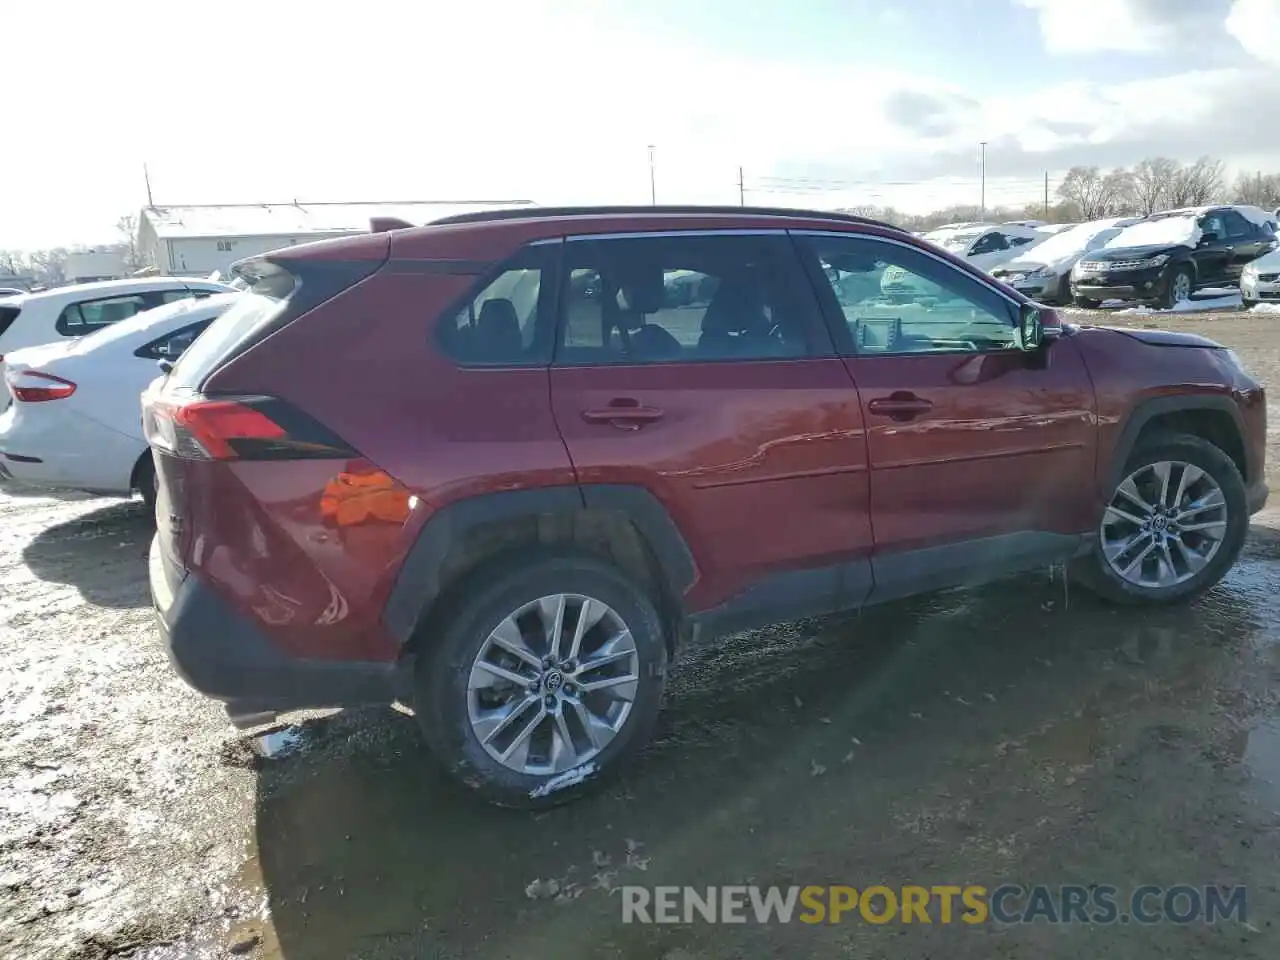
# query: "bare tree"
{"type": "Point", "coordinates": [1260, 189]}
{"type": "Point", "coordinates": [1093, 194]}
{"type": "Point", "coordinates": [1197, 184]}
{"type": "Point", "coordinates": [1120, 191]}
{"type": "Point", "coordinates": [50, 266]}
{"type": "Point", "coordinates": [127, 226]}
{"type": "Point", "coordinates": [1153, 181]}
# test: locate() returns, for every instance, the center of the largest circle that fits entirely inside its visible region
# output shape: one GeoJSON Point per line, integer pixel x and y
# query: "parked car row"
{"type": "Point", "coordinates": [502, 467]}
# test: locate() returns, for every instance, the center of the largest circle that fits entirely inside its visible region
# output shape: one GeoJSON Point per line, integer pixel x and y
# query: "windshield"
{"type": "Point", "coordinates": [1074, 241]}
{"type": "Point", "coordinates": [1165, 232]}
{"type": "Point", "coordinates": [954, 242]}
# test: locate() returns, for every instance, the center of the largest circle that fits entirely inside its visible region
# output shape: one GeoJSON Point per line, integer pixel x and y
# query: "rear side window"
{"type": "Point", "coordinates": [510, 322]}
{"type": "Point", "coordinates": [7, 316]}
{"type": "Point", "coordinates": [79, 319]}
{"type": "Point", "coordinates": [1238, 228]}
{"type": "Point", "coordinates": [689, 298]}
{"type": "Point", "coordinates": [253, 310]}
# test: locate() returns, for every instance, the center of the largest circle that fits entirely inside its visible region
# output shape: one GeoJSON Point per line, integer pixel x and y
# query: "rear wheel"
{"type": "Point", "coordinates": [546, 678]}
{"type": "Point", "coordinates": [144, 481]}
{"type": "Point", "coordinates": [1173, 526]}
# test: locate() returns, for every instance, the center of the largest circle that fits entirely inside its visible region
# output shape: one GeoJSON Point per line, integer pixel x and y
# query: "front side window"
{"type": "Point", "coordinates": [665, 299]}
{"type": "Point", "coordinates": [510, 321]}
{"type": "Point", "coordinates": [1213, 224]}
{"type": "Point", "coordinates": [894, 299]}
{"type": "Point", "coordinates": [79, 319]}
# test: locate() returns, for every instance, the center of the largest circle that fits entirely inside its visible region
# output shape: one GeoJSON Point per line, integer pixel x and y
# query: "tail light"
{"type": "Point", "coordinates": [238, 428]}
{"type": "Point", "coordinates": [31, 386]}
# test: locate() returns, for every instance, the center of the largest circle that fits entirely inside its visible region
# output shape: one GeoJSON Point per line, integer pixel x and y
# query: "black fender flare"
{"type": "Point", "coordinates": [1148, 410]}
{"type": "Point", "coordinates": [418, 583]}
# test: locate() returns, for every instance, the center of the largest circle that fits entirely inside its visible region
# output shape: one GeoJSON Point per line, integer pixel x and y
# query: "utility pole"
{"type": "Point", "coordinates": [742, 191]}
{"type": "Point", "coordinates": [1046, 194]}
{"type": "Point", "coordinates": [146, 175]}
{"type": "Point", "coordinates": [982, 174]}
{"type": "Point", "coordinates": [653, 189]}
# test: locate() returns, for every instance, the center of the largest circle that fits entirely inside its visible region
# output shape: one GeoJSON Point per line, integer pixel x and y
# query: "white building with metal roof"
{"type": "Point", "coordinates": [196, 240]}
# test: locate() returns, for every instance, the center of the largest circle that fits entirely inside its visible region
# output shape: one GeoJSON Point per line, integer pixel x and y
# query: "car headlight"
{"type": "Point", "coordinates": [1250, 271]}
{"type": "Point", "coordinates": [1157, 261]}
{"type": "Point", "coordinates": [1044, 273]}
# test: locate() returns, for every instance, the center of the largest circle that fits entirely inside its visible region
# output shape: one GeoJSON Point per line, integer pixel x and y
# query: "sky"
{"type": "Point", "coordinates": [820, 103]}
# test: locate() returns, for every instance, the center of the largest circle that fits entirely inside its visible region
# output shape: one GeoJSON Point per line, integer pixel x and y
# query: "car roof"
{"type": "Point", "coordinates": [102, 288]}
{"type": "Point", "coordinates": [673, 211]}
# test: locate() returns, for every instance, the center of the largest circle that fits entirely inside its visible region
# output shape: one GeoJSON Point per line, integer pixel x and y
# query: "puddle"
{"type": "Point", "coordinates": [1262, 754]}
{"type": "Point", "coordinates": [277, 743]}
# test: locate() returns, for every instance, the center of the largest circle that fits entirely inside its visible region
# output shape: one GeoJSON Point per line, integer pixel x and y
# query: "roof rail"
{"type": "Point", "coordinates": [532, 213]}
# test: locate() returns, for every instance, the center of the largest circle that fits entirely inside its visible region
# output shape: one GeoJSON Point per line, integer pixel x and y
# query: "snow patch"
{"type": "Point", "coordinates": [562, 781]}
{"type": "Point", "coordinates": [1266, 308]}
{"type": "Point", "coordinates": [1165, 232]}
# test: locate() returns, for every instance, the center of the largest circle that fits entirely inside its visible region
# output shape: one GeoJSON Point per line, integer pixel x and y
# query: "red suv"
{"type": "Point", "coordinates": [502, 466]}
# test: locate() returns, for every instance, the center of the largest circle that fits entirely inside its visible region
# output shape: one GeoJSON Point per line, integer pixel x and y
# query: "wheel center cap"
{"type": "Point", "coordinates": [1160, 522]}
{"type": "Point", "coordinates": [553, 681]}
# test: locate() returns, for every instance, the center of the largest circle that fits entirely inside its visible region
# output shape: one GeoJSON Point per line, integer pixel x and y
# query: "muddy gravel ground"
{"type": "Point", "coordinates": [1017, 733]}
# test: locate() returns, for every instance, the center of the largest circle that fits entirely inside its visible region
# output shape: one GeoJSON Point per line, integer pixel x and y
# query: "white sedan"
{"type": "Point", "coordinates": [75, 422]}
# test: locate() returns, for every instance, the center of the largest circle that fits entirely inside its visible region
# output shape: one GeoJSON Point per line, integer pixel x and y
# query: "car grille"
{"type": "Point", "coordinates": [1097, 266]}
{"type": "Point", "coordinates": [1269, 277]}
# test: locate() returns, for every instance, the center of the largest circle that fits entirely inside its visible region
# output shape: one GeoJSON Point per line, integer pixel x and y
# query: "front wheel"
{"type": "Point", "coordinates": [547, 677]}
{"type": "Point", "coordinates": [1179, 288]}
{"type": "Point", "coordinates": [1173, 526]}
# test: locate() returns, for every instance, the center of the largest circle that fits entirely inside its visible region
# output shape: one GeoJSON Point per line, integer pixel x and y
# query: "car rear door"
{"type": "Point", "coordinates": [981, 455]}
{"type": "Point", "coordinates": [1247, 241]}
{"type": "Point", "coordinates": [697, 367]}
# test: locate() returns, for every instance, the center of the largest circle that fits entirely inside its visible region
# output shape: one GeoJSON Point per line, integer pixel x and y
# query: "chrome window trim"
{"type": "Point", "coordinates": [668, 234]}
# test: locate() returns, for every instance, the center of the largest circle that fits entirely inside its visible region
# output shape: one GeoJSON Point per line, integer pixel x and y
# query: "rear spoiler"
{"type": "Point", "coordinates": [383, 224]}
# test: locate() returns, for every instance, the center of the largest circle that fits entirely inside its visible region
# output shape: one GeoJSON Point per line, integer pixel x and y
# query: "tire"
{"type": "Point", "coordinates": [1087, 303]}
{"type": "Point", "coordinates": [444, 700]}
{"type": "Point", "coordinates": [1167, 298]}
{"type": "Point", "coordinates": [1098, 574]}
{"type": "Point", "coordinates": [1063, 297]}
{"type": "Point", "coordinates": [145, 482]}
{"type": "Point", "coordinates": [1247, 303]}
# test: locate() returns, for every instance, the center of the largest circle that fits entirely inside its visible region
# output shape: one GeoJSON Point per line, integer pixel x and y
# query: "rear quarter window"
{"type": "Point", "coordinates": [7, 316]}
{"type": "Point", "coordinates": [252, 310]}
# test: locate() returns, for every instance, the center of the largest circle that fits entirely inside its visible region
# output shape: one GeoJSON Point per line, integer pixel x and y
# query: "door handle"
{"type": "Point", "coordinates": [624, 413]}
{"type": "Point", "coordinates": [899, 406]}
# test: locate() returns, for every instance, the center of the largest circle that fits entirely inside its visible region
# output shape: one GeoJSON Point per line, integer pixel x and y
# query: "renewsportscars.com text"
{"type": "Point", "coordinates": [944, 904]}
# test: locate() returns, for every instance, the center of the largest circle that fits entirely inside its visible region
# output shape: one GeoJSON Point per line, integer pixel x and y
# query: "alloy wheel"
{"type": "Point", "coordinates": [553, 684]}
{"type": "Point", "coordinates": [1165, 523]}
{"type": "Point", "coordinates": [1181, 287]}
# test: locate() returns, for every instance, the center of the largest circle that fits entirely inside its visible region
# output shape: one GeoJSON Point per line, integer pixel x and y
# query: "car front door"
{"type": "Point", "coordinates": [697, 369]}
{"type": "Point", "coordinates": [981, 454]}
{"type": "Point", "coordinates": [1213, 254]}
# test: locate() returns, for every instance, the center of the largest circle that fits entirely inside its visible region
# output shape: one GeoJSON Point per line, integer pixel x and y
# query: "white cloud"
{"type": "Point", "coordinates": [1134, 26]}
{"type": "Point", "coordinates": [1256, 24]}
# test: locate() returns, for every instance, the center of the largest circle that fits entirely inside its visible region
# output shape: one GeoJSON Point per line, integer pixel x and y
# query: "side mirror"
{"type": "Point", "coordinates": [1030, 332]}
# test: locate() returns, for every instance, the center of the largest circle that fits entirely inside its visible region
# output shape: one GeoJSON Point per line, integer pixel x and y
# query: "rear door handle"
{"type": "Point", "coordinates": [624, 413]}
{"type": "Point", "coordinates": [899, 406]}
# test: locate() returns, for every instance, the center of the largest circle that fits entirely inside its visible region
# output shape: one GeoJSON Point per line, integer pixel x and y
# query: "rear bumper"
{"type": "Point", "coordinates": [224, 656]}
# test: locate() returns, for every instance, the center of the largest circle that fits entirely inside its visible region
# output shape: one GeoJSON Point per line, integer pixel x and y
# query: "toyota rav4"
{"type": "Point", "coordinates": [501, 467]}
